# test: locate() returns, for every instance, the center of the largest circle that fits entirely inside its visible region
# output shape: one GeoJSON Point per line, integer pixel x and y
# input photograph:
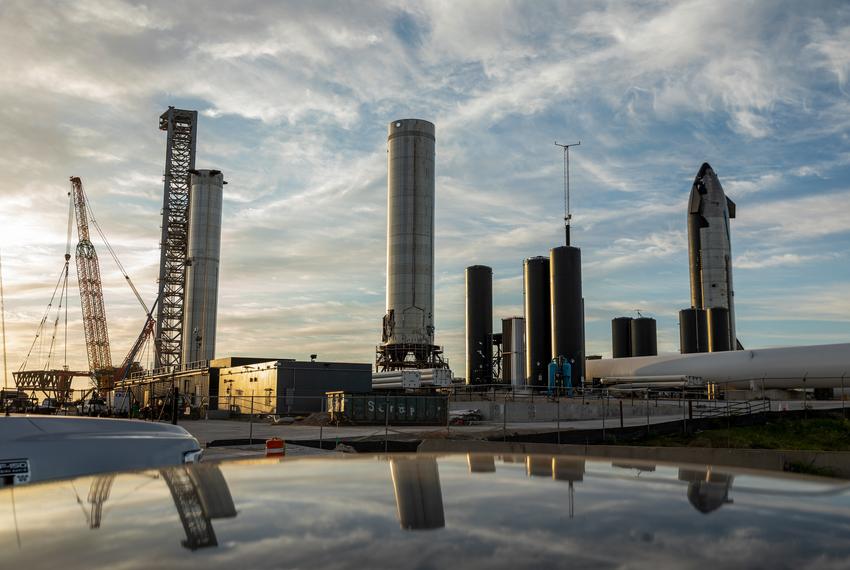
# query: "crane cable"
{"type": "Point", "coordinates": [62, 276]}
{"type": "Point", "coordinates": [63, 279]}
{"type": "Point", "coordinates": [113, 254]}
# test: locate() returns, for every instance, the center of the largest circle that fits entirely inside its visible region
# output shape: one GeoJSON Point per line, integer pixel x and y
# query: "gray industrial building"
{"type": "Point", "coordinates": [285, 386]}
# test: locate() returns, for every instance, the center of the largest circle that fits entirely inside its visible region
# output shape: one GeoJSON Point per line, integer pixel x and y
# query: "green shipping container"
{"type": "Point", "coordinates": [397, 409]}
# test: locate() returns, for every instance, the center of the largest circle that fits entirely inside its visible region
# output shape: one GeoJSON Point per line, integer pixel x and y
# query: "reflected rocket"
{"type": "Point", "coordinates": [710, 253]}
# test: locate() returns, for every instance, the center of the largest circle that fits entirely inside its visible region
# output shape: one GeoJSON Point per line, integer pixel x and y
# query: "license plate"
{"type": "Point", "coordinates": [15, 471]}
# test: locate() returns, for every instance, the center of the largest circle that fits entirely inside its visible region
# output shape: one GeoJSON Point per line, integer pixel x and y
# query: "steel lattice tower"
{"type": "Point", "coordinates": [91, 289]}
{"type": "Point", "coordinates": [181, 127]}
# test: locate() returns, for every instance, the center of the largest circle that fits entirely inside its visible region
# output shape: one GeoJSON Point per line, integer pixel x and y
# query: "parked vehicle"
{"type": "Point", "coordinates": [41, 448]}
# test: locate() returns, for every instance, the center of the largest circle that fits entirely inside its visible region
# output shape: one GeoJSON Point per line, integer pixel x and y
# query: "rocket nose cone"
{"type": "Point", "coordinates": [704, 169]}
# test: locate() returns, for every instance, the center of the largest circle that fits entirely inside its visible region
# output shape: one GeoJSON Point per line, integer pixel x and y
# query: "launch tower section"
{"type": "Point", "coordinates": [181, 128]}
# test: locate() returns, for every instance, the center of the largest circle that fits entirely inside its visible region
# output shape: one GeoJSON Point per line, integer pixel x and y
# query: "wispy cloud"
{"type": "Point", "coordinates": [295, 98]}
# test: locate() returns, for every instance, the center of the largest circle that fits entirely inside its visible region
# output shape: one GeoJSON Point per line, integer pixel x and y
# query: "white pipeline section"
{"type": "Point", "coordinates": [412, 379]}
{"type": "Point", "coordinates": [821, 366]}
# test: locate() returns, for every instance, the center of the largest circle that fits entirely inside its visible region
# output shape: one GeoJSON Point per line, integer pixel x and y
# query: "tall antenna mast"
{"type": "Point", "coordinates": [567, 213]}
{"type": "Point", "coordinates": [3, 320]}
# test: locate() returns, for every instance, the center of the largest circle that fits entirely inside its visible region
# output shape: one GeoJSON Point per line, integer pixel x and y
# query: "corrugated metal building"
{"type": "Point", "coordinates": [286, 386]}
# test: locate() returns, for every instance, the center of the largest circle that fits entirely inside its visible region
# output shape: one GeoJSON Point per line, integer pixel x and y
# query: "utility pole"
{"type": "Point", "coordinates": [567, 213]}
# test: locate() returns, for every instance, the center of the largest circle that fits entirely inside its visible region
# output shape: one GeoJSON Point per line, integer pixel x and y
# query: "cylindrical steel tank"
{"type": "Point", "coordinates": [567, 320]}
{"type": "Point", "coordinates": [410, 233]}
{"type": "Point", "coordinates": [621, 337]}
{"type": "Point", "coordinates": [479, 325]}
{"type": "Point", "coordinates": [419, 499]}
{"type": "Point", "coordinates": [717, 322]}
{"type": "Point", "coordinates": [644, 339]}
{"type": "Point", "coordinates": [538, 332]}
{"type": "Point", "coordinates": [513, 351]}
{"type": "Point", "coordinates": [693, 333]}
{"type": "Point", "coordinates": [200, 304]}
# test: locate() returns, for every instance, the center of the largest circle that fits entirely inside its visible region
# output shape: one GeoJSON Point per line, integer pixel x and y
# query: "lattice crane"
{"type": "Point", "coordinates": [91, 294]}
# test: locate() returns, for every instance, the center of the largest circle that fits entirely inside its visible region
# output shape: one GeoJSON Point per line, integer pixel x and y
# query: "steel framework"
{"type": "Point", "coordinates": [181, 127]}
{"type": "Point", "coordinates": [390, 357]}
{"type": "Point", "coordinates": [91, 290]}
{"type": "Point", "coordinates": [55, 384]}
{"type": "Point", "coordinates": [187, 500]}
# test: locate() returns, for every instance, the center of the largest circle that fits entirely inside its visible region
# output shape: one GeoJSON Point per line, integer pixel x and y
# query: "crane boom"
{"type": "Point", "coordinates": [91, 294]}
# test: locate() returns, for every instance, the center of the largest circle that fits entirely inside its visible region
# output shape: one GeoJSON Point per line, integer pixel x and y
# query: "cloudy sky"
{"type": "Point", "coordinates": [295, 98]}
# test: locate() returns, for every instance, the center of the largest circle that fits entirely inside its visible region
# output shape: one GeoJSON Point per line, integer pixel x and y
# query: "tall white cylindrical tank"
{"type": "Point", "coordinates": [200, 305]}
{"type": "Point", "coordinates": [410, 233]}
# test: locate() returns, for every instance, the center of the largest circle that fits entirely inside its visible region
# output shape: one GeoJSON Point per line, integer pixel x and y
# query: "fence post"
{"type": "Point", "coordinates": [386, 422]}
{"type": "Point", "coordinates": [322, 424]}
{"type": "Point", "coordinates": [174, 393]}
{"type": "Point", "coordinates": [604, 413]}
{"type": "Point", "coordinates": [251, 422]}
{"type": "Point", "coordinates": [505, 420]}
{"type": "Point", "coordinates": [558, 417]}
{"type": "Point", "coordinates": [621, 414]}
{"type": "Point", "coordinates": [647, 412]}
{"type": "Point", "coordinates": [843, 411]}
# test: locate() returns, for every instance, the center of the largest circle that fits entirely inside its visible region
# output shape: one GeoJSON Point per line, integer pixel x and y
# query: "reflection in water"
{"type": "Point", "coordinates": [567, 469]}
{"type": "Point", "coordinates": [639, 467]}
{"type": "Point", "coordinates": [538, 466]}
{"type": "Point", "coordinates": [98, 494]}
{"type": "Point", "coordinates": [418, 497]}
{"type": "Point", "coordinates": [708, 490]}
{"type": "Point", "coordinates": [481, 463]}
{"type": "Point", "coordinates": [200, 494]}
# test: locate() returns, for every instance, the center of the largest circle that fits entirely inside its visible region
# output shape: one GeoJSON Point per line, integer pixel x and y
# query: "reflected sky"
{"type": "Point", "coordinates": [474, 511]}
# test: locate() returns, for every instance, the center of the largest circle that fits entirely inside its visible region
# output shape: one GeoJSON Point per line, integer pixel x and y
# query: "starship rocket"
{"type": "Point", "coordinates": [710, 253]}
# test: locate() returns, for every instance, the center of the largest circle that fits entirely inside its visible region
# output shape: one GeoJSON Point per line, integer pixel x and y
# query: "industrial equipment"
{"type": "Point", "coordinates": [407, 340]}
{"type": "Point", "coordinates": [202, 261]}
{"type": "Point", "coordinates": [710, 252]}
{"type": "Point", "coordinates": [479, 325]}
{"type": "Point", "coordinates": [513, 351]}
{"type": "Point", "coordinates": [567, 319]}
{"type": "Point", "coordinates": [181, 128]}
{"type": "Point", "coordinates": [91, 295]}
{"type": "Point", "coordinates": [538, 318]}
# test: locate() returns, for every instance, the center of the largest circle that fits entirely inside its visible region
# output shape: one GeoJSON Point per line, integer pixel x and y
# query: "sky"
{"type": "Point", "coordinates": [294, 101]}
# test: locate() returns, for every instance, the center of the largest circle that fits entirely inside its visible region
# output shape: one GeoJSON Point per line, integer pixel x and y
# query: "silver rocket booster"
{"type": "Point", "coordinates": [710, 249]}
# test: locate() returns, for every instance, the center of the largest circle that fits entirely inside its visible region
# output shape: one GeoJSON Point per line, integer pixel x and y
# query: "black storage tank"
{"type": "Point", "coordinates": [719, 335]}
{"type": "Point", "coordinates": [538, 333]}
{"type": "Point", "coordinates": [621, 337]}
{"type": "Point", "coordinates": [479, 325]}
{"type": "Point", "coordinates": [567, 308]}
{"type": "Point", "coordinates": [693, 332]}
{"type": "Point", "coordinates": [644, 339]}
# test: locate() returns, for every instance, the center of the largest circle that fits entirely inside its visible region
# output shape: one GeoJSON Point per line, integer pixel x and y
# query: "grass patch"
{"type": "Point", "coordinates": [821, 434]}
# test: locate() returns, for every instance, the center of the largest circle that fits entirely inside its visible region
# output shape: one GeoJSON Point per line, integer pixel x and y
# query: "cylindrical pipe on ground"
{"type": "Point", "coordinates": [538, 332]}
{"type": "Point", "coordinates": [621, 337]}
{"type": "Point", "coordinates": [567, 320]}
{"type": "Point", "coordinates": [644, 337]}
{"type": "Point", "coordinates": [200, 304]}
{"type": "Point", "coordinates": [479, 325]}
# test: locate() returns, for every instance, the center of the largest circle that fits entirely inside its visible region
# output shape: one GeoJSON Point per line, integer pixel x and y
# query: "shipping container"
{"type": "Point", "coordinates": [395, 409]}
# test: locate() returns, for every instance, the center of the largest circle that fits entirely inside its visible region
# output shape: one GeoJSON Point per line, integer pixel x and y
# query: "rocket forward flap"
{"type": "Point", "coordinates": [730, 205]}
